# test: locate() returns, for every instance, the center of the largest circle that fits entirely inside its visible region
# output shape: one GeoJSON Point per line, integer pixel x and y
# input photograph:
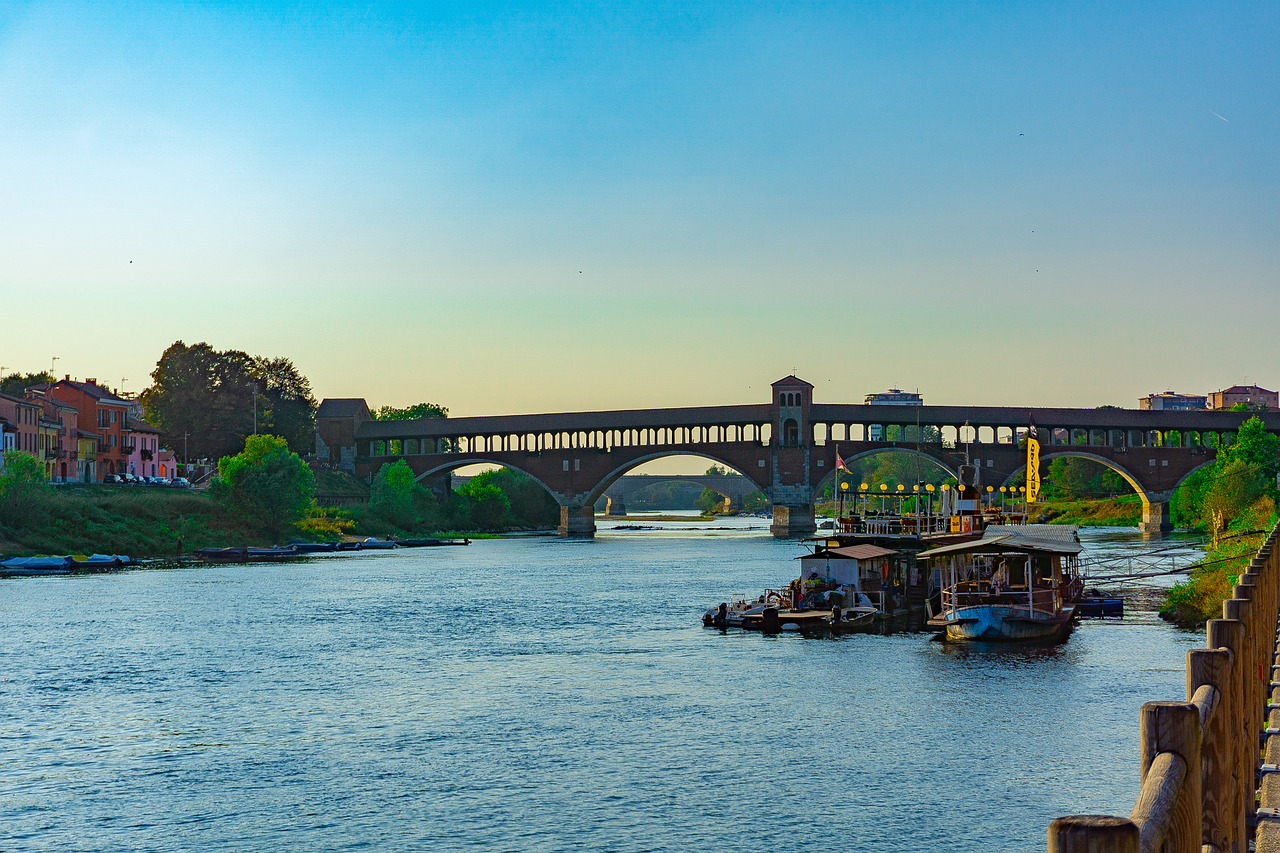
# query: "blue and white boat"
{"type": "Point", "coordinates": [1018, 582]}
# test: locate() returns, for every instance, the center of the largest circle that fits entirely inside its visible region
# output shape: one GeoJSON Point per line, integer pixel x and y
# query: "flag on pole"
{"type": "Point", "coordinates": [1033, 462]}
{"type": "Point", "coordinates": [840, 463]}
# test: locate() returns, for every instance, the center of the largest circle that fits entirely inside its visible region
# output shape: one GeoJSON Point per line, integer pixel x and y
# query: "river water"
{"type": "Point", "coordinates": [539, 694]}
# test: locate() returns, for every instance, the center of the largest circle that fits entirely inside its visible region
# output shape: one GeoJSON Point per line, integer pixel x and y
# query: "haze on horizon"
{"type": "Point", "coordinates": [519, 207]}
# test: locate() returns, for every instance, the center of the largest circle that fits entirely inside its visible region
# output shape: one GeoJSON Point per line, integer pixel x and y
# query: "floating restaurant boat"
{"type": "Point", "coordinates": [1017, 582]}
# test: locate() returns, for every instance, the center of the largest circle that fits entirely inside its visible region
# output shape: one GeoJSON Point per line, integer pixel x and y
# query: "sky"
{"type": "Point", "coordinates": [521, 207]}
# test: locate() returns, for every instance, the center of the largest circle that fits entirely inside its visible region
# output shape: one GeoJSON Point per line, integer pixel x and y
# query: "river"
{"type": "Point", "coordinates": [540, 694]}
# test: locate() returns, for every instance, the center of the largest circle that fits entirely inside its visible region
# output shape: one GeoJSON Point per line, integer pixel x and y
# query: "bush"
{"type": "Point", "coordinates": [266, 484]}
{"type": "Point", "coordinates": [22, 489]}
{"type": "Point", "coordinates": [327, 524]}
{"type": "Point", "coordinates": [394, 493]}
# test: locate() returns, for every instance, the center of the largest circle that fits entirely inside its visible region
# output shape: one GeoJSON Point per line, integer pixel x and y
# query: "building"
{"type": "Point", "coordinates": [1172, 401]}
{"type": "Point", "coordinates": [87, 456]}
{"type": "Point", "coordinates": [336, 423]}
{"type": "Point", "coordinates": [106, 412]}
{"type": "Point", "coordinates": [144, 444]}
{"type": "Point", "coordinates": [24, 420]}
{"type": "Point", "coordinates": [8, 438]}
{"type": "Point", "coordinates": [167, 464]}
{"type": "Point", "coordinates": [1250, 395]}
{"type": "Point", "coordinates": [895, 397]}
{"type": "Point", "coordinates": [59, 438]}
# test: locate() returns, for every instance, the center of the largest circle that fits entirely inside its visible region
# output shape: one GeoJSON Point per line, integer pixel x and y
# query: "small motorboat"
{"type": "Point", "coordinates": [348, 545]}
{"type": "Point", "coordinates": [223, 555]}
{"type": "Point", "coordinates": [314, 547]}
{"type": "Point", "coordinates": [274, 553]}
{"type": "Point", "coordinates": [98, 562]}
{"type": "Point", "coordinates": [430, 543]}
{"type": "Point", "coordinates": [374, 543]}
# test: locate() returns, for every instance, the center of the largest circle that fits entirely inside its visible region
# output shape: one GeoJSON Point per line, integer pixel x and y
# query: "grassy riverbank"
{"type": "Point", "coordinates": [1199, 598]}
{"type": "Point", "coordinates": [139, 522]}
{"type": "Point", "coordinates": [148, 522]}
{"type": "Point", "coordinates": [1125, 511]}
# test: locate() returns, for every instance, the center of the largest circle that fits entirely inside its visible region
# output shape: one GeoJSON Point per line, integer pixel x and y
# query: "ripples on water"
{"type": "Point", "coordinates": [537, 694]}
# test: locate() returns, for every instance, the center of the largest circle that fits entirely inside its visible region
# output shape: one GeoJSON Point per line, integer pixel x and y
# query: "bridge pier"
{"type": "Point", "coordinates": [616, 506]}
{"type": "Point", "coordinates": [792, 522]}
{"type": "Point", "coordinates": [1155, 515]}
{"type": "Point", "coordinates": [577, 522]}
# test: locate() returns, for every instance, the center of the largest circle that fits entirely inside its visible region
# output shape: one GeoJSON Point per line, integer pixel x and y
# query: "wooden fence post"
{"type": "Point", "coordinates": [1093, 834]}
{"type": "Point", "coordinates": [1174, 727]}
{"type": "Point", "coordinates": [1229, 634]}
{"type": "Point", "coordinates": [1241, 610]}
{"type": "Point", "coordinates": [1212, 668]}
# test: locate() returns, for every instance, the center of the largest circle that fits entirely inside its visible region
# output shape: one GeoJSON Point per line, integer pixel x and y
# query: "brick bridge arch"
{"type": "Point", "coordinates": [707, 481]}
{"type": "Point", "coordinates": [1155, 502]}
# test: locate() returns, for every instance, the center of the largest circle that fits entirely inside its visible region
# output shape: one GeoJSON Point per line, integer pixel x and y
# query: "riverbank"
{"type": "Point", "coordinates": [1124, 511]}
{"type": "Point", "coordinates": [148, 522]}
{"type": "Point", "coordinates": [1199, 598]}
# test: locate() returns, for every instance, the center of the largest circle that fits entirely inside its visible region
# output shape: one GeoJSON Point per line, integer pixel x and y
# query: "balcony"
{"type": "Point", "coordinates": [127, 449]}
{"type": "Point", "coordinates": [148, 455]}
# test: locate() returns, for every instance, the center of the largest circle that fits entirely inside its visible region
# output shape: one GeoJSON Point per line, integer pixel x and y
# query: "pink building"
{"type": "Point", "coordinates": [143, 444]}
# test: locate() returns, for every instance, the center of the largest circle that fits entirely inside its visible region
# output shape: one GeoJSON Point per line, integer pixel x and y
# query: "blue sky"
{"type": "Point", "coordinates": [524, 207]}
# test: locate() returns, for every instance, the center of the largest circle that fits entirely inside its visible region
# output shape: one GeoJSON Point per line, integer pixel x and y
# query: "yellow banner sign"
{"type": "Point", "coordinates": [1033, 468]}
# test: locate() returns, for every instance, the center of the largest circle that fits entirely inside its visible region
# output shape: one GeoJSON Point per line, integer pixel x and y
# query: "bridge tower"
{"type": "Point", "coordinates": [791, 489]}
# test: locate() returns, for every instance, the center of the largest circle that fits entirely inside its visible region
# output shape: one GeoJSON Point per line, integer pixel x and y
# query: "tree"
{"type": "Point", "coordinates": [266, 485]}
{"type": "Point", "coordinates": [409, 413]}
{"type": "Point", "coordinates": [489, 504]}
{"type": "Point", "coordinates": [711, 501]}
{"type": "Point", "coordinates": [210, 397]}
{"type": "Point", "coordinates": [203, 395]}
{"type": "Point", "coordinates": [22, 488]}
{"type": "Point", "coordinates": [1258, 450]}
{"type": "Point", "coordinates": [16, 384]}
{"type": "Point", "coordinates": [523, 502]}
{"type": "Point", "coordinates": [394, 493]}
{"type": "Point", "coordinates": [287, 407]}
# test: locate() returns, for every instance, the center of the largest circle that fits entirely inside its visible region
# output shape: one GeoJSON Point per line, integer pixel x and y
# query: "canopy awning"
{"type": "Point", "coordinates": [1039, 538]}
{"type": "Point", "coordinates": [851, 552]}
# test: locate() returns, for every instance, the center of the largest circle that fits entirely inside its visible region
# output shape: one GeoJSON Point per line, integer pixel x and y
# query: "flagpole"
{"type": "Point", "coordinates": [835, 494]}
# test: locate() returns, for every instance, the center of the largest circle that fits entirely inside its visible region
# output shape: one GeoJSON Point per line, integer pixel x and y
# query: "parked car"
{"type": "Point", "coordinates": [159, 481]}
{"type": "Point", "coordinates": [128, 479]}
{"type": "Point", "coordinates": [112, 478]}
{"type": "Point", "coordinates": [180, 483]}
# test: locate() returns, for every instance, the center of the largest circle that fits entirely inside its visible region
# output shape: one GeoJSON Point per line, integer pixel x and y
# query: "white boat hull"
{"type": "Point", "coordinates": [1003, 623]}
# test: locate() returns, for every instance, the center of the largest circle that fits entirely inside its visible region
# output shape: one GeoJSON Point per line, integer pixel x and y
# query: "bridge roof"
{"type": "Point", "coordinates": [833, 413]}
{"type": "Point", "coordinates": [1020, 416]}
{"type": "Point", "coordinates": [568, 421]}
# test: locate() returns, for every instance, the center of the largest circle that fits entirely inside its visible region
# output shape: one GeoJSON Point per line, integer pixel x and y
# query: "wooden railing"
{"type": "Point", "coordinates": [1201, 758]}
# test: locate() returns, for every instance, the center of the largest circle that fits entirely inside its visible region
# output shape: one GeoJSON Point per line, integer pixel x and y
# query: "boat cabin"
{"type": "Point", "coordinates": [862, 574]}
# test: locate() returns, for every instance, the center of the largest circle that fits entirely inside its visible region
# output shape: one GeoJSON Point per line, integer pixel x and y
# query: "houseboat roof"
{"type": "Point", "coordinates": [852, 552]}
{"type": "Point", "coordinates": [1042, 538]}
